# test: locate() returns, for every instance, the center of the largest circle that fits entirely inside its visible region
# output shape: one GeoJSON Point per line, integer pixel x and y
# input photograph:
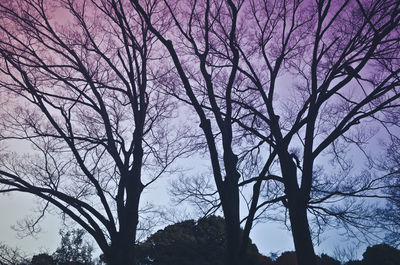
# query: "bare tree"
{"type": "Point", "coordinates": [309, 80]}
{"type": "Point", "coordinates": [323, 73]}
{"type": "Point", "coordinates": [388, 217]}
{"type": "Point", "coordinates": [203, 46]}
{"type": "Point", "coordinates": [10, 256]}
{"type": "Point", "coordinates": [78, 77]}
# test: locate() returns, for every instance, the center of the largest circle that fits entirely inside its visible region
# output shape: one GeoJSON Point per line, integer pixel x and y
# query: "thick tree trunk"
{"type": "Point", "coordinates": [233, 241]}
{"type": "Point", "coordinates": [297, 205]}
{"type": "Point", "coordinates": [302, 235]}
{"type": "Point", "coordinates": [121, 252]}
{"type": "Point", "coordinates": [230, 205]}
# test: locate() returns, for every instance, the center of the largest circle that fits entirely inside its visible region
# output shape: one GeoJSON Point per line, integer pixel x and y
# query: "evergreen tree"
{"type": "Point", "coordinates": [74, 249]}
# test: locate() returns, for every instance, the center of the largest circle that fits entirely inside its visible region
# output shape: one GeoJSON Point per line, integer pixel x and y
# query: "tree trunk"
{"type": "Point", "coordinates": [122, 250]}
{"type": "Point", "coordinates": [230, 205]}
{"type": "Point", "coordinates": [120, 253]}
{"type": "Point", "coordinates": [301, 235]}
{"type": "Point", "coordinates": [232, 237]}
{"type": "Point", "coordinates": [297, 205]}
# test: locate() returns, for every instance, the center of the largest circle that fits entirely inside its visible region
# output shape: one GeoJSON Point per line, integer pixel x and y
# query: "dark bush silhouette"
{"type": "Point", "coordinates": [265, 260]}
{"type": "Point", "coordinates": [43, 259]}
{"type": "Point", "coordinates": [287, 258]}
{"type": "Point", "coordinates": [326, 260]}
{"type": "Point", "coordinates": [381, 255]}
{"type": "Point", "coordinates": [290, 258]}
{"type": "Point", "coordinates": [354, 262]}
{"type": "Point", "coordinates": [190, 242]}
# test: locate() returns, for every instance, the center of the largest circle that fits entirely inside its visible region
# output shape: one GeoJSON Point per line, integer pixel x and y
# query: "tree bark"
{"type": "Point", "coordinates": [301, 235]}
{"type": "Point", "coordinates": [121, 252]}
{"type": "Point", "coordinates": [297, 205]}
{"type": "Point", "coordinates": [230, 207]}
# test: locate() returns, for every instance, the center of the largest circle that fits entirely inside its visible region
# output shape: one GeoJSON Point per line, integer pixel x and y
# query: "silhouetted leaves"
{"type": "Point", "coordinates": [43, 259]}
{"type": "Point", "coordinates": [381, 254]}
{"type": "Point", "coordinates": [190, 242]}
{"type": "Point", "coordinates": [74, 250]}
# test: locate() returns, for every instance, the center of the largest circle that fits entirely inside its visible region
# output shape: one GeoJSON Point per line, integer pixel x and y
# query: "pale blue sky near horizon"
{"type": "Point", "coordinates": [269, 237]}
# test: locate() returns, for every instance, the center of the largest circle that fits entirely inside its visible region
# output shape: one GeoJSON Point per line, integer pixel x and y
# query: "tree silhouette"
{"type": "Point", "coordinates": [73, 249]}
{"type": "Point", "coordinates": [43, 259]}
{"type": "Point", "coordinates": [290, 258]}
{"type": "Point", "coordinates": [190, 242]}
{"type": "Point", "coordinates": [284, 71]}
{"type": "Point", "coordinates": [378, 254]}
{"type": "Point", "coordinates": [287, 258]}
{"type": "Point", "coordinates": [326, 260]}
{"type": "Point", "coordinates": [388, 217]}
{"type": "Point", "coordinates": [278, 87]}
{"type": "Point", "coordinates": [354, 262]}
{"type": "Point", "coordinates": [76, 76]}
{"type": "Point", "coordinates": [11, 256]}
{"type": "Point", "coordinates": [206, 56]}
{"type": "Point", "coordinates": [381, 254]}
{"type": "Point", "coordinates": [326, 113]}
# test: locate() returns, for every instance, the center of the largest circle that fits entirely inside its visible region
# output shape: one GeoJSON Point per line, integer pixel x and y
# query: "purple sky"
{"type": "Point", "coordinates": [269, 237]}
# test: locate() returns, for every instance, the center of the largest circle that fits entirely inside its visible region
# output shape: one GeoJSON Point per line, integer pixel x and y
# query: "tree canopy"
{"type": "Point", "coordinates": [200, 242]}
{"type": "Point", "coordinates": [285, 100]}
{"type": "Point", "coordinates": [73, 249]}
{"type": "Point", "coordinates": [77, 79]}
{"type": "Point", "coordinates": [378, 254]}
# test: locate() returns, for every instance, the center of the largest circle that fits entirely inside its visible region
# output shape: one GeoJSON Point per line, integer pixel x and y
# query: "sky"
{"type": "Point", "coordinates": [15, 207]}
{"type": "Point", "coordinates": [269, 237]}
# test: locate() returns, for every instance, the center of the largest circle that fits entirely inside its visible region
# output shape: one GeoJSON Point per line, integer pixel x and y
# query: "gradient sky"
{"type": "Point", "coordinates": [270, 237]}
